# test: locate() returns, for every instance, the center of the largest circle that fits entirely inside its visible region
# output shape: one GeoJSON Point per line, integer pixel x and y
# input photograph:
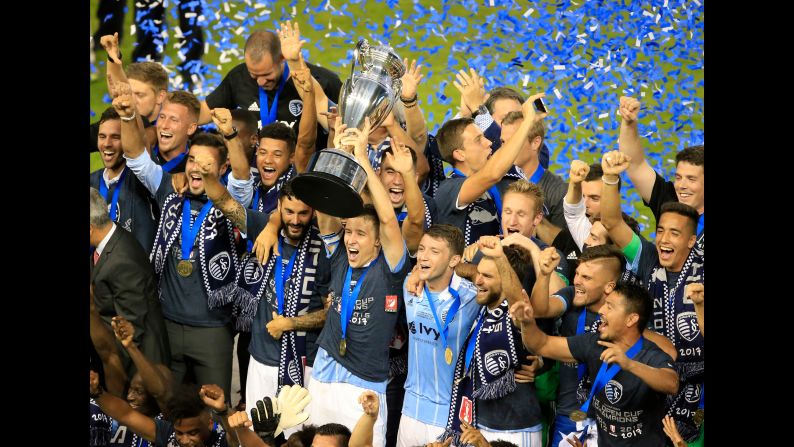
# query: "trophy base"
{"type": "Point", "coordinates": [328, 194]}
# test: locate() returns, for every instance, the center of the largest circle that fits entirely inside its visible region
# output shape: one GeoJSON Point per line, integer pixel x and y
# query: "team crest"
{"type": "Point", "coordinates": [614, 391]}
{"type": "Point", "coordinates": [296, 107]}
{"type": "Point", "coordinates": [253, 272]}
{"type": "Point", "coordinates": [692, 393]}
{"type": "Point", "coordinates": [497, 361]}
{"type": "Point", "coordinates": [687, 325]}
{"type": "Point", "coordinates": [294, 372]}
{"type": "Point", "coordinates": [481, 216]}
{"type": "Point", "coordinates": [220, 265]}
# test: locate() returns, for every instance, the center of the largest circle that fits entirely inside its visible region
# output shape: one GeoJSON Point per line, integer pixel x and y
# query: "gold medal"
{"type": "Point", "coordinates": [578, 415]}
{"type": "Point", "coordinates": [342, 347]}
{"type": "Point", "coordinates": [699, 415]}
{"type": "Point", "coordinates": [448, 356]}
{"type": "Point", "coordinates": [184, 268]}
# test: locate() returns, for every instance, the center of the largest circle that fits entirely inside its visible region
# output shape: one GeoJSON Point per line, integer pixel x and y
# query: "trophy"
{"type": "Point", "coordinates": [334, 179]}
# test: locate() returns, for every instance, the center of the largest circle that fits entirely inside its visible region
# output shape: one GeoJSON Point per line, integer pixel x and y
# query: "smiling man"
{"type": "Point", "coordinates": [666, 269]}
{"type": "Point", "coordinates": [130, 205]}
{"type": "Point", "coordinates": [176, 123]}
{"type": "Point", "coordinates": [626, 399]}
{"type": "Point", "coordinates": [439, 320]}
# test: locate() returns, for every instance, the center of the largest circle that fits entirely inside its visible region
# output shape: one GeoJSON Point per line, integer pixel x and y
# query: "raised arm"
{"type": "Point", "coordinates": [640, 172]}
{"type": "Point", "coordinates": [413, 227]}
{"type": "Point", "coordinates": [541, 301]}
{"type": "Point", "coordinates": [555, 281]}
{"type": "Point", "coordinates": [291, 44]}
{"type": "Point", "coordinates": [694, 292]}
{"type": "Point", "coordinates": [662, 380]}
{"type": "Point", "coordinates": [240, 424]}
{"type": "Point", "coordinates": [131, 135]}
{"type": "Point", "coordinates": [491, 246]}
{"type": "Point", "coordinates": [362, 433]}
{"type": "Point", "coordinates": [502, 160]}
{"type": "Point", "coordinates": [218, 193]}
{"type": "Point", "coordinates": [535, 339]}
{"type": "Point", "coordinates": [102, 338]}
{"type": "Point", "coordinates": [237, 158]}
{"type": "Point", "coordinates": [614, 163]}
{"type": "Point", "coordinates": [154, 380]}
{"type": "Point", "coordinates": [573, 208]}
{"type": "Point", "coordinates": [307, 130]}
{"type": "Point", "coordinates": [414, 118]}
{"type": "Point", "coordinates": [214, 398]}
{"type": "Point", "coordinates": [390, 235]}
{"type": "Point", "coordinates": [114, 66]}
{"type": "Point", "coordinates": [120, 410]}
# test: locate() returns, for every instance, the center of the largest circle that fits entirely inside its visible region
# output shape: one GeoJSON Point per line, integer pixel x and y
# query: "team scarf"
{"type": "Point", "coordinates": [99, 425]}
{"type": "Point", "coordinates": [404, 213]}
{"type": "Point", "coordinates": [437, 173]}
{"type": "Point", "coordinates": [252, 281]}
{"type": "Point", "coordinates": [485, 378]}
{"type": "Point", "coordinates": [679, 324]}
{"type": "Point", "coordinates": [485, 209]}
{"type": "Point", "coordinates": [217, 253]}
{"type": "Point", "coordinates": [265, 203]}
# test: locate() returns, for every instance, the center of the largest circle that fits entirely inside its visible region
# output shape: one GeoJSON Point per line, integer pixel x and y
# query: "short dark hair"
{"type": "Point", "coordinates": [109, 114]}
{"type": "Point", "coordinates": [595, 174]}
{"type": "Point", "coordinates": [520, 259]}
{"type": "Point", "coordinates": [212, 140]}
{"type": "Point", "coordinates": [681, 209]}
{"type": "Point", "coordinates": [608, 253]}
{"type": "Point", "coordinates": [187, 99]}
{"type": "Point", "coordinates": [692, 155]}
{"type": "Point", "coordinates": [184, 403]}
{"type": "Point", "coordinates": [247, 118]}
{"type": "Point", "coordinates": [451, 234]}
{"type": "Point", "coordinates": [502, 443]}
{"type": "Point", "coordinates": [334, 429]}
{"type": "Point", "coordinates": [286, 191]}
{"type": "Point", "coordinates": [261, 42]}
{"type": "Point", "coordinates": [637, 300]}
{"type": "Point", "coordinates": [304, 436]}
{"type": "Point", "coordinates": [151, 73]}
{"type": "Point", "coordinates": [369, 213]}
{"type": "Point", "coordinates": [281, 132]}
{"type": "Point", "coordinates": [502, 93]}
{"type": "Point", "coordinates": [449, 137]}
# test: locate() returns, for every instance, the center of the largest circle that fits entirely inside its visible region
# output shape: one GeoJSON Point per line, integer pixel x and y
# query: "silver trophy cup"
{"type": "Point", "coordinates": [334, 179]}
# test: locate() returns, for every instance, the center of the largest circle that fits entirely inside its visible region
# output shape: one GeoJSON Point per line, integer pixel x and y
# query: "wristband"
{"type": "Point", "coordinates": [127, 119]}
{"type": "Point", "coordinates": [604, 179]}
{"type": "Point", "coordinates": [111, 59]}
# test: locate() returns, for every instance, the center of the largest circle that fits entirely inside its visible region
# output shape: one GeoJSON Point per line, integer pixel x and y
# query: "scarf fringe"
{"type": "Point", "coordinates": [220, 297]}
{"type": "Point", "coordinates": [398, 365]}
{"type": "Point", "coordinates": [449, 433]}
{"type": "Point", "coordinates": [245, 305]}
{"type": "Point", "coordinates": [500, 387]}
{"type": "Point", "coordinates": [99, 437]}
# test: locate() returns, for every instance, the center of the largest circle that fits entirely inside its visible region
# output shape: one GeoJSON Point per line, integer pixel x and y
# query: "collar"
{"type": "Point", "coordinates": [104, 242]}
{"type": "Point", "coordinates": [110, 181]}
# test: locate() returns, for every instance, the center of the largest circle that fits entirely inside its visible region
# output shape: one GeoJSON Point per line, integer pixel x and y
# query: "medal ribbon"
{"type": "Point", "coordinates": [537, 175]}
{"type": "Point", "coordinates": [167, 167]}
{"type": "Point", "coordinates": [348, 298]}
{"type": "Point", "coordinates": [443, 329]}
{"type": "Point", "coordinates": [272, 111]}
{"type": "Point", "coordinates": [280, 279]}
{"type": "Point", "coordinates": [607, 372]}
{"type": "Point", "coordinates": [700, 224]}
{"type": "Point", "coordinates": [472, 341]}
{"type": "Point", "coordinates": [580, 331]}
{"type": "Point", "coordinates": [114, 204]}
{"type": "Point", "coordinates": [493, 191]}
{"type": "Point", "coordinates": [190, 231]}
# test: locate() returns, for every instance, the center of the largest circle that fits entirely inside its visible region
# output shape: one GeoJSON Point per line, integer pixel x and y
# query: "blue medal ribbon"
{"type": "Point", "coordinates": [348, 298]}
{"type": "Point", "coordinates": [114, 204]}
{"type": "Point", "coordinates": [702, 396]}
{"type": "Point", "coordinates": [472, 341]}
{"type": "Point", "coordinates": [453, 309]}
{"type": "Point", "coordinates": [167, 167]}
{"type": "Point", "coordinates": [580, 331]}
{"type": "Point", "coordinates": [607, 372]}
{"type": "Point", "coordinates": [280, 279]}
{"type": "Point", "coordinates": [537, 175]}
{"type": "Point", "coordinates": [190, 231]}
{"type": "Point", "coordinates": [401, 216]}
{"type": "Point", "coordinates": [272, 111]}
{"type": "Point", "coordinates": [700, 224]}
{"type": "Point", "coordinates": [493, 191]}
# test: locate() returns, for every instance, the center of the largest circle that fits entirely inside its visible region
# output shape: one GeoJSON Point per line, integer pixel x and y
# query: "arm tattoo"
{"type": "Point", "coordinates": [232, 210]}
{"type": "Point", "coordinates": [312, 320]}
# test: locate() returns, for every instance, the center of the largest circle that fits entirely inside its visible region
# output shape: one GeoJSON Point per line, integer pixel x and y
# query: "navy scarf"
{"type": "Point", "coordinates": [265, 203]}
{"type": "Point", "coordinates": [217, 253]}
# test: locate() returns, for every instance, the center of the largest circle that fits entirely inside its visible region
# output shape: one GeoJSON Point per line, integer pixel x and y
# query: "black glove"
{"type": "Point", "coordinates": [265, 416]}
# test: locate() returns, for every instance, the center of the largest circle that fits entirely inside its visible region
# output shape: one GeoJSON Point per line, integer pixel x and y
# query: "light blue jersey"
{"type": "Point", "coordinates": [428, 386]}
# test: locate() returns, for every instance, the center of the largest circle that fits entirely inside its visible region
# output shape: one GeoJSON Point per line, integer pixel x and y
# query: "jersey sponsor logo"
{"type": "Point", "coordinates": [614, 391]}
{"type": "Point", "coordinates": [465, 410]}
{"type": "Point", "coordinates": [692, 393]}
{"type": "Point", "coordinates": [253, 272]}
{"type": "Point", "coordinates": [481, 216]}
{"type": "Point", "coordinates": [687, 325]}
{"type": "Point", "coordinates": [220, 265]}
{"type": "Point", "coordinates": [296, 107]}
{"type": "Point", "coordinates": [423, 329]}
{"type": "Point", "coordinates": [497, 361]}
{"type": "Point", "coordinates": [391, 303]}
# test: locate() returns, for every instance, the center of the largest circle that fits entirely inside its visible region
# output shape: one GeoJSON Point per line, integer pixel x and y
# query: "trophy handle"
{"type": "Point", "coordinates": [356, 51]}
